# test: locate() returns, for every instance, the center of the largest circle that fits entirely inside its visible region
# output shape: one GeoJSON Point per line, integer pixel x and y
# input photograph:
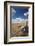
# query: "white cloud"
{"type": "Point", "coordinates": [13, 11]}
{"type": "Point", "coordinates": [18, 20]}
{"type": "Point", "coordinates": [25, 14]}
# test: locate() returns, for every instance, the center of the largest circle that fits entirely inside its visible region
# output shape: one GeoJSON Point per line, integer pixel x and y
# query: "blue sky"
{"type": "Point", "coordinates": [18, 12]}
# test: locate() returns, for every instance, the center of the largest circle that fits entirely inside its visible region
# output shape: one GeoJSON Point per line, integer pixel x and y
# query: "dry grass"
{"type": "Point", "coordinates": [16, 28]}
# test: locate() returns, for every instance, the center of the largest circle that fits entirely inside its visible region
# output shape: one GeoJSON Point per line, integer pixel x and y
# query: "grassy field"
{"type": "Point", "coordinates": [15, 28]}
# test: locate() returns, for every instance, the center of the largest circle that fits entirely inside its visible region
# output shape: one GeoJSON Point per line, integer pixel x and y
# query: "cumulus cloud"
{"type": "Point", "coordinates": [13, 11]}
{"type": "Point", "coordinates": [25, 14]}
{"type": "Point", "coordinates": [18, 20]}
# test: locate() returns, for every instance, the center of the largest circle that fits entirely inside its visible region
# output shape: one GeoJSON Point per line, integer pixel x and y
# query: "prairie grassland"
{"type": "Point", "coordinates": [15, 28]}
